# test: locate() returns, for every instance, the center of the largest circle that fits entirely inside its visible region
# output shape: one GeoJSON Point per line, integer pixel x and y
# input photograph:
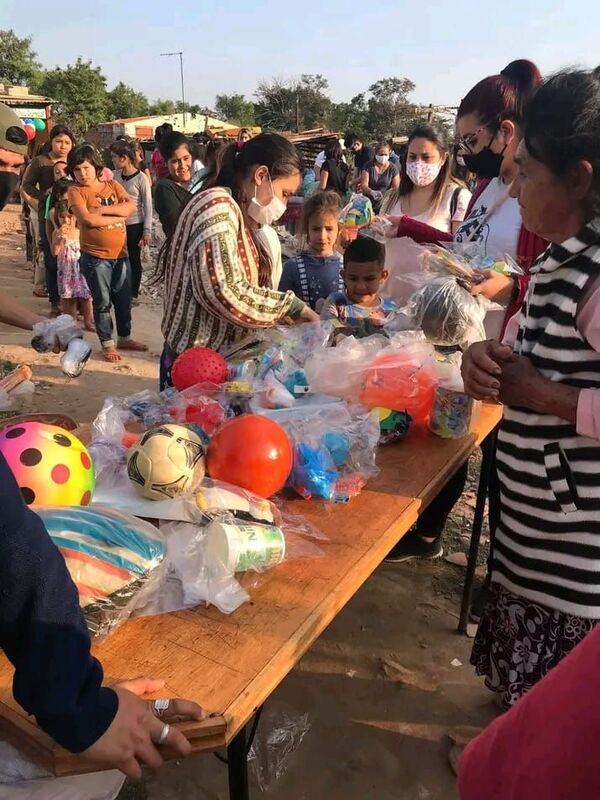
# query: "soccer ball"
{"type": "Point", "coordinates": [166, 462]}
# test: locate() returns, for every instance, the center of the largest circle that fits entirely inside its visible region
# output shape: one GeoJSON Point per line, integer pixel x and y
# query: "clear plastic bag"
{"type": "Point", "coordinates": [334, 451]}
{"type": "Point", "coordinates": [447, 313]}
{"type": "Point", "coordinates": [280, 733]}
{"type": "Point", "coordinates": [337, 371]}
{"type": "Point", "coordinates": [356, 214]}
{"type": "Point", "coordinates": [75, 357]}
{"type": "Point", "coordinates": [114, 560]}
{"type": "Point", "coordinates": [52, 333]}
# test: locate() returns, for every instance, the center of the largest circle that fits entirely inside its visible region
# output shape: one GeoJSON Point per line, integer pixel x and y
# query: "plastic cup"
{"type": "Point", "coordinates": [241, 546]}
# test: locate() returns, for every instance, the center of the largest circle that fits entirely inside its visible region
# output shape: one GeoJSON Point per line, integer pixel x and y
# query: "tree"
{"type": "Point", "coordinates": [297, 104]}
{"type": "Point", "coordinates": [236, 109]}
{"type": "Point", "coordinates": [80, 90]}
{"type": "Point", "coordinates": [162, 108]}
{"type": "Point", "coordinates": [123, 101]}
{"type": "Point", "coordinates": [352, 117]}
{"type": "Point", "coordinates": [18, 63]}
{"type": "Point", "coordinates": [389, 109]}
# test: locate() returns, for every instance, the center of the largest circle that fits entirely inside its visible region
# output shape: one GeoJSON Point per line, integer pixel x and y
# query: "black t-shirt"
{"type": "Point", "coordinates": [364, 156]}
{"type": "Point", "coordinates": [338, 174]}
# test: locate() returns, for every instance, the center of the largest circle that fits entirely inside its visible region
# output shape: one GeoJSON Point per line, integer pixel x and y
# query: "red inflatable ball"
{"type": "Point", "coordinates": [30, 132]}
{"type": "Point", "coordinates": [252, 452]}
{"type": "Point", "coordinates": [198, 365]}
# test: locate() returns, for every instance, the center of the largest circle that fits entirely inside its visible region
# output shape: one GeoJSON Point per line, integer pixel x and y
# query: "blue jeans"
{"type": "Point", "coordinates": [109, 280]}
{"type": "Point", "coordinates": [50, 265]}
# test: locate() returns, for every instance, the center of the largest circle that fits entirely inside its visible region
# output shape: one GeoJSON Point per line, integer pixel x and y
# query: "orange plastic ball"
{"type": "Point", "coordinates": [251, 452]}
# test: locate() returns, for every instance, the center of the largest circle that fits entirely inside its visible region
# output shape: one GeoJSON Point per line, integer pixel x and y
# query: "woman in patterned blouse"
{"type": "Point", "coordinates": [217, 273]}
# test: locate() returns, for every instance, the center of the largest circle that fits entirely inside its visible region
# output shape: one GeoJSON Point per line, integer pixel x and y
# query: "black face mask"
{"type": "Point", "coordinates": [8, 183]}
{"type": "Point", "coordinates": [486, 163]}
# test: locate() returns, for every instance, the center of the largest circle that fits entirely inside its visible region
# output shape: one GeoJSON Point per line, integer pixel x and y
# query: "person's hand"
{"type": "Point", "coordinates": [482, 367]}
{"type": "Point", "coordinates": [521, 383]}
{"type": "Point", "coordinates": [494, 285]}
{"type": "Point", "coordinates": [394, 219]}
{"type": "Point", "coordinates": [130, 740]}
{"type": "Point", "coordinates": [308, 315]}
{"type": "Point", "coordinates": [145, 240]}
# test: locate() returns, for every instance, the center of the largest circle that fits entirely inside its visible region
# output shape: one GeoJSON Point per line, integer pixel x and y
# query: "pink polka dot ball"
{"type": "Point", "coordinates": [51, 466]}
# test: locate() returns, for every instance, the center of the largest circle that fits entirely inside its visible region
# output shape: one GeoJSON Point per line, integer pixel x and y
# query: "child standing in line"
{"type": "Point", "coordinates": [101, 209]}
{"type": "Point", "coordinates": [72, 287]}
{"type": "Point", "coordinates": [139, 224]}
{"type": "Point", "coordinates": [315, 273]}
{"type": "Point", "coordinates": [359, 310]}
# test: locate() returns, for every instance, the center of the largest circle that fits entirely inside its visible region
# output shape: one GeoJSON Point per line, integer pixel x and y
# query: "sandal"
{"type": "Point", "coordinates": [131, 344]}
{"type": "Point", "coordinates": [40, 293]}
{"type": "Point", "coordinates": [111, 355]}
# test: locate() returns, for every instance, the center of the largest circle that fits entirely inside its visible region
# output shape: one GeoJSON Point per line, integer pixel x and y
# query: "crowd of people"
{"type": "Point", "coordinates": [533, 148]}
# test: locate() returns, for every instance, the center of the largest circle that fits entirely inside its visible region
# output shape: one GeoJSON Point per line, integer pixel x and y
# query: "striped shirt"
{"type": "Point", "coordinates": [212, 296]}
{"type": "Point", "coordinates": [547, 546]}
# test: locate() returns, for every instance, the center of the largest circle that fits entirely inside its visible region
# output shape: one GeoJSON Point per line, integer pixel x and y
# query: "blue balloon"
{"type": "Point", "coordinates": [28, 121]}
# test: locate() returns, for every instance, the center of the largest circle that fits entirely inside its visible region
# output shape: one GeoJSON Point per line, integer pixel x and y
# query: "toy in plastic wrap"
{"type": "Point", "coordinates": [252, 452]}
{"type": "Point", "coordinates": [111, 557]}
{"type": "Point", "coordinates": [394, 425]}
{"type": "Point", "coordinates": [51, 466]}
{"type": "Point", "coordinates": [296, 383]}
{"type": "Point", "coordinates": [401, 380]}
{"type": "Point", "coordinates": [74, 359]}
{"type": "Point", "coordinates": [338, 444]}
{"type": "Point", "coordinates": [199, 365]}
{"type": "Point", "coordinates": [166, 462]}
{"type": "Point", "coordinates": [447, 313]}
{"type": "Point", "coordinates": [314, 474]}
{"type": "Point", "coordinates": [355, 215]}
{"type": "Point", "coordinates": [238, 547]}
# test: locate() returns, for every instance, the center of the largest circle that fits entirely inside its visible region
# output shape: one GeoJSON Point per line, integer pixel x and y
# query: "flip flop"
{"type": "Point", "coordinates": [111, 355]}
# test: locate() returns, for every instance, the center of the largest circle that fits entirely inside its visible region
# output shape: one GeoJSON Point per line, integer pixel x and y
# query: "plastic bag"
{"type": "Point", "coordinates": [452, 410]}
{"type": "Point", "coordinates": [75, 357]}
{"type": "Point", "coordinates": [337, 371]}
{"type": "Point", "coordinates": [114, 560]}
{"type": "Point", "coordinates": [334, 451]}
{"type": "Point", "coordinates": [280, 733]}
{"type": "Point", "coordinates": [447, 313]}
{"type": "Point", "coordinates": [402, 379]}
{"type": "Point", "coordinates": [356, 214]}
{"type": "Point", "coordinates": [52, 333]}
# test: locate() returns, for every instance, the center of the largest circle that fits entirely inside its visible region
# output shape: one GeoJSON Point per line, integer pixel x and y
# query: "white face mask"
{"type": "Point", "coordinates": [382, 159]}
{"type": "Point", "coordinates": [268, 214]}
{"type": "Point", "coordinates": [422, 174]}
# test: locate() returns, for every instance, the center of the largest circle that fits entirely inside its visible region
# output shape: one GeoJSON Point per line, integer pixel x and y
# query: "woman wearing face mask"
{"type": "Point", "coordinates": [379, 176]}
{"type": "Point", "coordinates": [427, 190]}
{"type": "Point", "coordinates": [489, 125]}
{"type": "Point", "coordinates": [217, 271]}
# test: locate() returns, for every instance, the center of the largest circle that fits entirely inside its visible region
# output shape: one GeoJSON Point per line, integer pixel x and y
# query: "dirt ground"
{"type": "Point", "coordinates": [382, 688]}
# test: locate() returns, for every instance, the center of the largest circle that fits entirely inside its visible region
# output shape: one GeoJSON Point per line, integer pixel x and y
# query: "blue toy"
{"type": "Point", "coordinates": [313, 473]}
{"type": "Point", "coordinates": [297, 384]}
{"type": "Point", "coordinates": [338, 445]}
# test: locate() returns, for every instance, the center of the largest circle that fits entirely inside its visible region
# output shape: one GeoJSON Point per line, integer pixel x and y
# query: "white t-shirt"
{"type": "Point", "coordinates": [441, 218]}
{"type": "Point", "coordinates": [499, 233]}
{"type": "Point", "coordinates": [320, 159]}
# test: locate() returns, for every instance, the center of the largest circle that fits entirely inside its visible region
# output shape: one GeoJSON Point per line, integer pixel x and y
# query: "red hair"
{"type": "Point", "coordinates": [502, 96]}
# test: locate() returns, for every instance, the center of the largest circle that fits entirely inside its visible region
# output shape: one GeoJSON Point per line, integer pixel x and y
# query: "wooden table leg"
{"type": "Point", "coordinates": [487, 449]}
{"type": "Point", "coordinates": [237, 761]}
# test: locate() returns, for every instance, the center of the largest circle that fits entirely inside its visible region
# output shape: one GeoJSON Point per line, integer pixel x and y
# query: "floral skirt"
{"type": "Point", "coordinates": [518, 642]}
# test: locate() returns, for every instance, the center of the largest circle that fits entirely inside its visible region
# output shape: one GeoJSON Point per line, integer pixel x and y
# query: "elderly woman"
{"type": "Point", "coordinates": [545, 591]}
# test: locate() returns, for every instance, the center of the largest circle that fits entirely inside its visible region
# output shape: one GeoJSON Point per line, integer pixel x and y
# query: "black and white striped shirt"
{"type": "Point", "coordinates": [547, 546]}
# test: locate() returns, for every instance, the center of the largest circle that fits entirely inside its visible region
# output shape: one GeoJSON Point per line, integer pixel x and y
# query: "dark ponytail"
{"type": "Point", "coordinates": [504, 96]}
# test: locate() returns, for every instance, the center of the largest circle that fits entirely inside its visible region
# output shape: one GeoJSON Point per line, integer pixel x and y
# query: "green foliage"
{"type": "Point", "coordinates": [388, 113]}
{"type": "Point", "coordinates": [123, 101]}
{"type": "Point", "coordinates": [80, 90]}
{"type": "Point", "coordinates": [234, 108]}
{"type": "Point", "coordinates": [162, 107]}
{"type": "Point", "coordinates": [289, 105]}
{"type": "Point", "coordinates": [18, 63]}
{"type": "Point", "coordinates": [351, 117]}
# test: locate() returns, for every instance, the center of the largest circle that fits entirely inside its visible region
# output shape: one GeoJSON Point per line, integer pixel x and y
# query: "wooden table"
{"type": "Point", "coordinates": [231, 664]}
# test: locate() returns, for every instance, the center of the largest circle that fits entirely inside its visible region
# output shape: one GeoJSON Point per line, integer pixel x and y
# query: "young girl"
{"type": "Point", "coordinates": [101, 209]}
{"type": "Point", "coordinates": [72, 287]}
{"type": "Point", "coordinates": [315, 274]}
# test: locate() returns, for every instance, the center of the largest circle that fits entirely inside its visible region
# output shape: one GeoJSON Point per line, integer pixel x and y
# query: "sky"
{"type": "Point", "coordinates": [444, 47]}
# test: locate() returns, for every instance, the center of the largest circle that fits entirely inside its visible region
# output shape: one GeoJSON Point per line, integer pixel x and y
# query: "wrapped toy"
{"type": "Point", "coordinates": [447, 313]}
{"type": "Point", "coordinates": [111, 557]}
{"type": "Point", "coordinates": [356, 214]}
{"type": "Point", "coordinates": [63, 333]}
{"type": "Point", "coordinates": [452, 408]}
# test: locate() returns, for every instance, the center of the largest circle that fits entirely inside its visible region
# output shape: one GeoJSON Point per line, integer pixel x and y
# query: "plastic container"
{"type": "Point", "coordinates": [243, 546]}
{"type": "Point", "coordinates": [451, 413]}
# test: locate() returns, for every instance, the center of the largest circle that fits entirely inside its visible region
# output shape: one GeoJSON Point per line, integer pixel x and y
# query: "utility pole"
{"type": "Point", "coordinates": [180, 54]}
{"type": "Point", "coordinates": [297, 113]}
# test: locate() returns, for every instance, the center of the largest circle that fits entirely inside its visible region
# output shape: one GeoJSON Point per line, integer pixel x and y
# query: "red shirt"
{"type": "Point", "coordinates": [161, 169]}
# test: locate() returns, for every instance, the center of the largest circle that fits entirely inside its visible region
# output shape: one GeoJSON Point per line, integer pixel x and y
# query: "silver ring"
{"type": "Point", "coordinates": [163, 734]}
{"type": "Point", "coordinates": [160, 706]}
